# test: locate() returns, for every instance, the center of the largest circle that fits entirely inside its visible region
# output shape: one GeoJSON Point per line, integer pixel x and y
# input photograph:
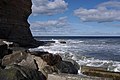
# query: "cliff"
{"type": "Point", "coordinates": [13, 22]}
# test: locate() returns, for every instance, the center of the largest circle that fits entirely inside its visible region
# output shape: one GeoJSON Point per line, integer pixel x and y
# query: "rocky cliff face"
{"type": "Point", "coordinates": [13, 22]}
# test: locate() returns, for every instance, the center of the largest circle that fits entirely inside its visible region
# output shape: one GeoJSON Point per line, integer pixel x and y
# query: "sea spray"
{"type": "Point", "coordinates": [102, 52]}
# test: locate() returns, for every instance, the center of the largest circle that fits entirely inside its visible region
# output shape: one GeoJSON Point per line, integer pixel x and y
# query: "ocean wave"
{"type": "Point", "coordinates": [85, 53]}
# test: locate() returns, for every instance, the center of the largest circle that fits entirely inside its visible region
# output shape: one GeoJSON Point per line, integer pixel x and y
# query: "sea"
{"type": "Point", "coordinates": [97, 51]}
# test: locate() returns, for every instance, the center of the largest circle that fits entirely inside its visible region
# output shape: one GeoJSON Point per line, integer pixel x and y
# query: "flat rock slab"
{"type": "Point", "coordinates": [100, 72]}
{"type": "Point", "coordinates": [73, 77]}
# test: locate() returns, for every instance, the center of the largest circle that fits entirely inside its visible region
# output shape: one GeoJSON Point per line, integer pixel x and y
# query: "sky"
{"type": "Point", "coordinates": [75, 17]}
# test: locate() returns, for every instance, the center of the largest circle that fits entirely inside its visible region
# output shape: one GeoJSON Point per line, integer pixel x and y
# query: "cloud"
{"type": "Point", "coordinates": [62, 21]}
{"type": "Point", "coordinates": [105, 12]}
{"type": "Point", "coordinates": [51, 27]}
{"type": "Point", "coordinates": [112, 4]}
{"type": "Point", "coordinates": [48, 7]}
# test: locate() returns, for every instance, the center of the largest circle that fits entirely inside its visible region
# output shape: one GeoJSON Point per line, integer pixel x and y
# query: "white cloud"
{"type": "Point", "coordinates": [47, 7]}
{"type": "Point", "coordinates": [105, 12]}
{"type": "Point", "coordinates": [112, 4]}
{"type": "Point", "coordinates": [62, 21]}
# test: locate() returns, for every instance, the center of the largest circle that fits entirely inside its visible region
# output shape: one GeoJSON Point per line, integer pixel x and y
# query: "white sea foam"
{"type": "Point", "coordinates": [75, 49]}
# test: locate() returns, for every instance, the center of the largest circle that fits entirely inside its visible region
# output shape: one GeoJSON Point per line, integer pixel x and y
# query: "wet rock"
{"type": "Point", "coordinates": [100, 72]}
{"type": "Point", "coordinates": [62, 42]}
{"type": "Point", "coordinates": [76, 65]}
{"type": "Point", "coordinates": [48, 43]}
{"type": "Point", "coordinates": [66, 67]}
{"type": "Point", "coordinates": [73, 77]}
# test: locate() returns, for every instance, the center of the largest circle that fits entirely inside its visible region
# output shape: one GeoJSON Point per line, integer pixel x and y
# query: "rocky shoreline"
{"type": "Point", "coordinates": [18, 63]}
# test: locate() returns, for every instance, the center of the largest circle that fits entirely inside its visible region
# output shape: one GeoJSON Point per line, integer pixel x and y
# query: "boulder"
{"type": "Point", "coordinates": [14, 26]}
{"type": "Point", "coordinates": [38, 62]}
{"type": "Point", "coordinates": [29, 62]}
{"type": "Point", "coordinates": [13, 58]}
{"type": "Point", "coordinates": [20, 58]}
{"type": "Point", "coordinates": [16, 72]}
{"type": "Point", "coordinates": [52, 63]}
{"type": "Point", "coordinates": [76, 65]}
{"type": "Point", "coordinates": [46, 62]}
{"type": "Point", "coordinates": [66, 67]}
{"type": "Point", "coordinates": [11, 74]}
{"type": "Point", "coordinates": [50, 58]}
{"type": "Point", "coordinates": [61, 67]}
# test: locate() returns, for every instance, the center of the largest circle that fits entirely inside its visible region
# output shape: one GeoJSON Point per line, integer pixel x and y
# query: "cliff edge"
{"type": "Point", "coordinates": [13, 22]}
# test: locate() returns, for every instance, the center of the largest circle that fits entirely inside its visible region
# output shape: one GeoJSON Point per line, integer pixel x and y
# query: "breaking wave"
{"type": "Point", "coordinates": [90, 52]}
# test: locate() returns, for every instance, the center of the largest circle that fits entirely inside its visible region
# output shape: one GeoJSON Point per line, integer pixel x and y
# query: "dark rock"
{"type": "Point", "coordinates": [3, 49]}
{"type": "Point", "coordinates": [62, 42]}
{"type": "Point", "coordinates": [38, 53]}
{"type": "Point", "coordinates": [14, 26]}
{"type": "Point", "coordinates": [11, 74]}
{"type": "Point", "coordinates": [0, 63]}
{"type": "Point", "coordinates": [15, 72]}
{"type": "Point", "coordinates": [15, 49]}
{"type": "Point", "coordinates": [49, 63]}
{"type": "Point", "coordinates": [66, 67]}
{"type": "Point", "coordinates": [51, 59]}
{"type": "Point", "coordinates": [76, 65]}
{"type": "Point", "coordinates": [11, 44]}
{"type": "Point", "coordinates": [30, 74]}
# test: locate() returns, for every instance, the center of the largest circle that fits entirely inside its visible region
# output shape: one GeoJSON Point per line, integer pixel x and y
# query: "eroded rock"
{"type": "Point", "coordinates": [13, 22]}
